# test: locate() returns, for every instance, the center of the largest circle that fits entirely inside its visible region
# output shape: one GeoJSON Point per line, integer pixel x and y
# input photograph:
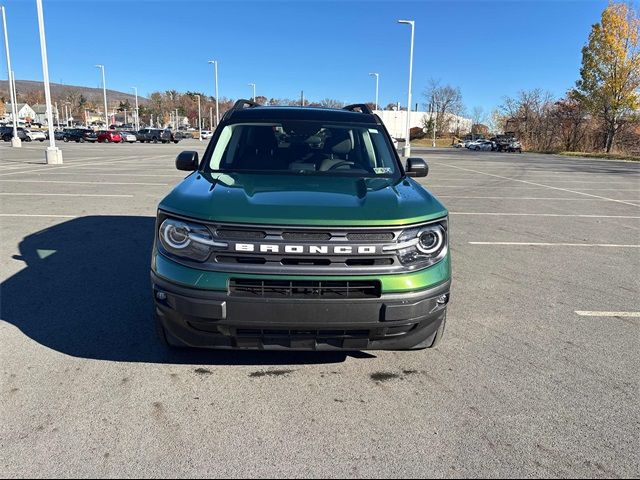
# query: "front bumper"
{"type": "Point", "coordinates": [217, 319]}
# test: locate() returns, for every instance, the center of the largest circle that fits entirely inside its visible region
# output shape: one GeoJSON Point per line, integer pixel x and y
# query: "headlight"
{"type": "Point", "coordinates": [186, 239]}
{"type": "Point", "coordinates": [421, 247]}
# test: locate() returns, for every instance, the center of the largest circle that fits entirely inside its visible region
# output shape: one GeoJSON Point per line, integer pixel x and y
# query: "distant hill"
{"type": "Point", "coordinates": [59, 91]}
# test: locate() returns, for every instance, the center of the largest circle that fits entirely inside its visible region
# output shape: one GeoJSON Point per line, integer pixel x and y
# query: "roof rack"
{"type": "Point", "coordinates": [240, 104]}
{"type": "Point", "coordinates": [363, 107]}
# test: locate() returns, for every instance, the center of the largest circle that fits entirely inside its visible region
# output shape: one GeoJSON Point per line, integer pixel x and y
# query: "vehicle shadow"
{"type": "Point", "coordinates": [86, 292]}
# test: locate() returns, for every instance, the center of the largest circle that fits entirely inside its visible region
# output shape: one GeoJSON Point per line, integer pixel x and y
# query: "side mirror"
{"type": "Point", "coordinates": [187, 161]}
{"type": "Point", "coordinates": [417, 167]}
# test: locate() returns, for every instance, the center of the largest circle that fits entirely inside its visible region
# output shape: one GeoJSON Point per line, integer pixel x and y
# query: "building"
{"type": "Point", "coordinates": [395, 122]}
{"type": "Point", "coordinates": [25, 112]}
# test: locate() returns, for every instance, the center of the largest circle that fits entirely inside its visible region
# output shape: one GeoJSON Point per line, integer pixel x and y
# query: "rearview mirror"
{"type": "Point", "coordinates": [417, 167]}
{"type": "Point", "coordinates": [187, 161]}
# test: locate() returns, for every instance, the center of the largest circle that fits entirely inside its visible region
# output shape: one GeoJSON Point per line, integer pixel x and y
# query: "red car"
{"type": "Point", "coordinates": [107, 136]}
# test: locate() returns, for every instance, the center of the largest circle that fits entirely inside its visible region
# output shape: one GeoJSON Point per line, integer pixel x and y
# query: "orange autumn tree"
{"type": "Point", "coordinates": [609, 84]}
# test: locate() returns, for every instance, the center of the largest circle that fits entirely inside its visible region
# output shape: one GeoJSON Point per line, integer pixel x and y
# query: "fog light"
{"type": "Point", "coordinates": [161, 296]}
{"type": "Point", "coordinates": [443, 299]}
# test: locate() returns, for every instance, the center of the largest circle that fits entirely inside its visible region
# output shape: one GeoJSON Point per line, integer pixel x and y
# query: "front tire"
{"type": "Point", "coordinates": [155, 140]}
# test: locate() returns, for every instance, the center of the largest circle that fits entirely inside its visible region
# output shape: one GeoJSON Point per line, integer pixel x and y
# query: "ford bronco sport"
{"type": "Point", "coordinates": [300, 229]}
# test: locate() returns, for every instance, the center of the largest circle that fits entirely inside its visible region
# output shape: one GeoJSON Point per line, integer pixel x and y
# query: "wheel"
{"type": "Point", "coordinates": [28, 139]}
{"type": "Point", "coordinates": [106, 140]}
{"type": "Point", "coordinates": [82, 140]}
{"type": "Point", "coordinates": [41, 140]}
{"type": "Point", "coordinates": [175, 141]}
{"type": "Point", "coordinates": [65, 139]}
{"type": "Point", "coordinates": [155, 139]}
{"type": "Point", "coordinates": [77, 140]}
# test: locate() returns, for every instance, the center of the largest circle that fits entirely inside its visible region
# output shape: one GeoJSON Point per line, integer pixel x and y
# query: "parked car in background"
{"type": "Point", "coordinates": [167, 136]}
{"type": "Point", "coordinates": [181, 135]}
{"type": "Point", "coordinates": [129, 137]}
{"type": "Point", "coordinates": [149, 135]}
{"type": "Point", "coordinates": [483, 145]}
{"type": "Point", "coordinates": [206, 134]}
{"type": "Point", "coordinates": [6, 133]}
{"type": "Point", "coordinates": [79, 135]}
{"type": "Point", "coordinates": [109, 136]}
{"type": "Point", "coordinates": [33, 135]}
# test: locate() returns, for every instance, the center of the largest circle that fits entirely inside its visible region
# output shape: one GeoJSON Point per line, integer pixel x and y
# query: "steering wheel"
{"type": "Point", "coordinates": [341, 164]}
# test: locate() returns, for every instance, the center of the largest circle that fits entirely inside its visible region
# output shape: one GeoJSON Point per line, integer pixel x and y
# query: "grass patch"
{"type": "Point", "coordinates": [602, 155]}
{"type": "Point", "coordinates": [427, 142]}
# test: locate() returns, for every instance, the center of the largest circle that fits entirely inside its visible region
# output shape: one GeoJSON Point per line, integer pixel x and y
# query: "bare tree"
{"type": "Point", "coordinates": [444, 100]}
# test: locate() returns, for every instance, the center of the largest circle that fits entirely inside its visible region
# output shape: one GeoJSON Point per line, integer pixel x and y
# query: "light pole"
{"type": "Point", "coordinates": [254, 91]}
{"type": "Point", "coordinates": [53, 155]}
{"type": "Point", "coordinates": [137, 111]}
{"type": "Point", "coordinates": [104, 91]}
{"type": "Point", "coordinates": [211, 119]}
{"type": "Point", "coordinates": [407, 145]}
{"type": "Point", "coordinates": [177, 122]}
{"type": "Point", "coordinates": [215, 68]}
{"type": "Point", "coordinates": [199, 119]}
{"type": "Point", "coordinates": [15, 140]}
{"type": "Point", "coordinates": [377, 75]}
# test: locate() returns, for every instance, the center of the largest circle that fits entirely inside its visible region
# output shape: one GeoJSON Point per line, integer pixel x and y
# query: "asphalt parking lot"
{"type": "Point", "coordinates": [537, 375]}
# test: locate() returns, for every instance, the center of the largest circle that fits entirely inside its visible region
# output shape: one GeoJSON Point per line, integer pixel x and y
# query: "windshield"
{"type": "Point", "coordinates": [304, 147]}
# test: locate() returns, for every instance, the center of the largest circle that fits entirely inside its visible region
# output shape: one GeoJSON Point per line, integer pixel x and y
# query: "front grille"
{"type": "Point", "coordinates": [371, 237]}
{"type": "Point", "coordinates": [304, 289]}
{"type": "Point", "coordinates": [306, 236]}
{"type": "Point", "coordinates": [231, 234]}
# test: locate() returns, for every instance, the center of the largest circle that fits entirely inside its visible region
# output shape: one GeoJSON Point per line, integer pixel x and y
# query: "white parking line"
{"type": "Point", "coordinates": [34, 215]}
{"type": "Point", "coordinates": [64, 195]}
{"type": "Point", "coordinates": [133, 174]}
{"type": "Point", "coordinates": [527, 198]}
{"type": "Point", "coordinates": [500, 187]}
{"type": "Point", "coordinates": [541, 215]}
{"type": "Point", "coordinates": [538, 184]}
{"type": "Point", "coordinates": [587, 313]}
{"type": "Point", "coordinates": [625, 183]}
{"type": "Point", "coordinates": [86, 183]}
{"type": "Point", "coordinates": [542, 244]}
{"type": "Point", "coordinates": [70, 165]}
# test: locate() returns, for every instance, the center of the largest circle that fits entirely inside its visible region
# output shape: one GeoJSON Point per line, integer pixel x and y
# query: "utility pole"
{"type": "Point", "coordinates": [215, 69]}
{"type": "Point", "coordinates": [407, 144]}
{"type": "Point", "coordinates": [302, 98]}
{"type": "Point", "coordinates": [15, 140]}
{"type": "Point", "coordinates": [199, 119]}
{"type": "Point", "coordinates": [104, 91]}
{"type": "Point", "coordinates": [254, 91]}
{"type": "Point", "coordinates": [137, 110]}
{"type": "Point", "coordinates": [53, 155]}
{"type": "Point", "coordinates": [377, 75]}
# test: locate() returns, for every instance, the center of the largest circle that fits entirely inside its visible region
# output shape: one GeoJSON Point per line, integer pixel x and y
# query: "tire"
{"type": "Point", "coordinates": [82, 140]}
{"type": "Point", "coordinates": [41, 140]}
{"type": "Point", "coordinates": [65, 139]}
{"type": "Point", "coordinates": [28, 139]}
{"type": "Point", "coordinates": [155, 139]}
{"type": "Point", "coordinates": [106, 140]}
{"type": "Point", "coordinates": [175, 141]}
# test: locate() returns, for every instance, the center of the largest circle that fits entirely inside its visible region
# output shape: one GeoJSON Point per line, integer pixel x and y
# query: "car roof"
{"type": "Point", "coordinates": [273, 113]}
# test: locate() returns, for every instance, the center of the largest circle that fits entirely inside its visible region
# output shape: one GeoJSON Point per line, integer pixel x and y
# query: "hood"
{"type": "Point", "coordinates": [302, 200]}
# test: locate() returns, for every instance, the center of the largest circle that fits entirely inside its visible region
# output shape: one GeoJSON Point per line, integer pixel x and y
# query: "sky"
{"type": "Point", "coordinates": [489, 49]}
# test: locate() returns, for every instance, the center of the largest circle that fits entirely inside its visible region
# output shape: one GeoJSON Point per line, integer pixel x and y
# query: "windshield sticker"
{"type": "Point", "coordinates": [373, 130]}
{"type": "Point", "coordinates": [382, 170]}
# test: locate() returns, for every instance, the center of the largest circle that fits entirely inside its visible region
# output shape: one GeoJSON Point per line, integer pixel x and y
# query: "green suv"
{"type": "Point", "coordinates": [300, 229]}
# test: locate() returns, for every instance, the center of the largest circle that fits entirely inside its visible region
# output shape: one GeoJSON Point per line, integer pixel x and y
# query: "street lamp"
{"type": "Point", "coordinates": [377, 75]}
{"type": "Point", "coordinates": [53, 155]}
{"type": "Point", "coordinates": [215, 65]}
{"type": "Point", "coordinates": [407, 146]}
{"type": "Point", "coordinates": [104, 91]}
{"type": "Point", "coordinates": [199, 119]}
{"type": "Point", "coordinates": [137, 111]}
{"type": "Point", "coordinates": [15, 140]}
{"type": "Point", "coordinates": [254, 91]}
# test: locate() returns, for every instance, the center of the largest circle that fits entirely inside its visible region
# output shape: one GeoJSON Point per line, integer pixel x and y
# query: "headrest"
{"type": "Point", "coordinates": [343, 147]}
